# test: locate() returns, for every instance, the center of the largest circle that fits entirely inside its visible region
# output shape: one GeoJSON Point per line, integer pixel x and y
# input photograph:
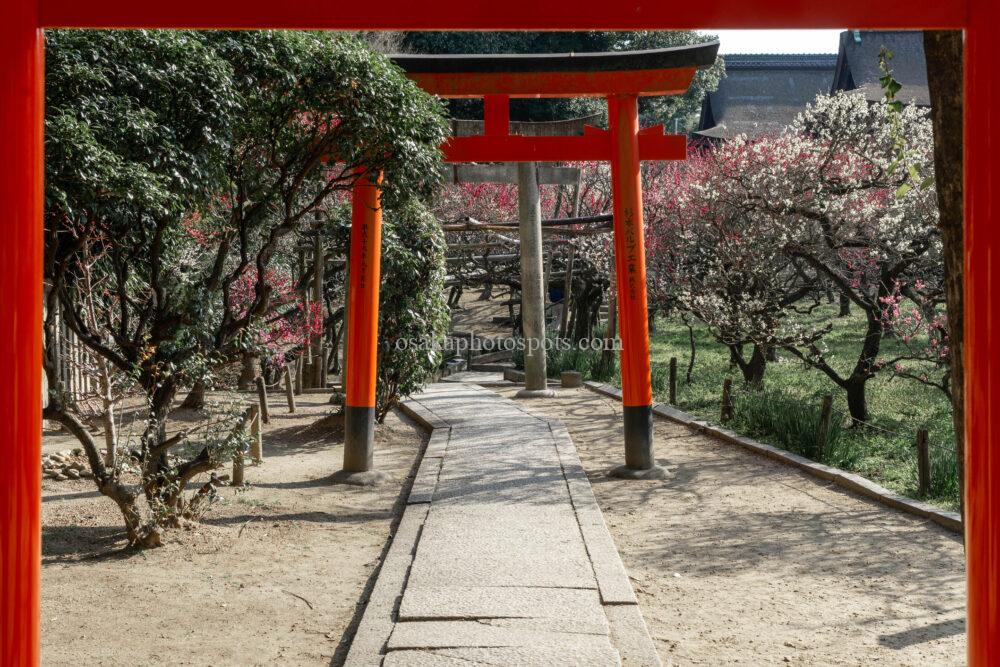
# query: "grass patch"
{"type": "Point", "coordinates": [788, 406]}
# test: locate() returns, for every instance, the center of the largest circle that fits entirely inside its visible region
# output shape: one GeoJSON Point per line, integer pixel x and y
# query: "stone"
{"type": "Point", "coordinates": [73, 474]}
{"type": "Point", "coordinates": [86, 473]}
{"type": "Point", "coordinates": [578, 609]}
{"type": "Point", "coordinates": [571, 379]}
{"type": "Point", "coordinates": [530, 656]}
{"type": "Point", "coordinates": [59, 477]}
{"type": "Point", "coordinates": [536, 393]}
{"type": "Point", "coordinates": [377, 622]}
{"type": "Point", "coordinates": [627, 472]}
{"type": "Point", "coordinates": [366, 478]}
{"type": "Point", "coordinates": [513, 375]}
{"type": "Point", "coordinates": [488, 632]}
{"type": "Point", "coordinates": [631, 637]}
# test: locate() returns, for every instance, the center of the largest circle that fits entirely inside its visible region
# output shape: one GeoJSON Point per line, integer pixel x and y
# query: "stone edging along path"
{"type": "Point", "coordinates": [950, 520]}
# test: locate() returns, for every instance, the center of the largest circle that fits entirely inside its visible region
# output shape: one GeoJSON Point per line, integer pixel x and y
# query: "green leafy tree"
{"type": "Point", "coordinates": [244, 133]}
{"type": "Point", "coordinates": [136, 128]}
{"type": "Point", "coordinates": [413, 315]}
{"type": "Point", "coordinates": [314, 108]}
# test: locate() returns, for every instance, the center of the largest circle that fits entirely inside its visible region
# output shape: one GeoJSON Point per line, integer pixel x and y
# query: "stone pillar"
{"type": "Point", "coordinates": [532, 294]}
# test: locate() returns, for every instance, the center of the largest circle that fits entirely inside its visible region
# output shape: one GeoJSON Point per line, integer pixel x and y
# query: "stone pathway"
{"type": "Point", "coordinates": [502, 556]}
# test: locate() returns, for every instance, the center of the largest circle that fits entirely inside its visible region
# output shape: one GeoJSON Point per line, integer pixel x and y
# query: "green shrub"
{"type": "Point", "coordinates": [413, 306]}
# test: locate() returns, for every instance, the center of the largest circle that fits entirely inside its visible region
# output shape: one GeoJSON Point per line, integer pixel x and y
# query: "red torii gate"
{"type": "Point", "coordinates": [621, 78]}
{"type": "Point", "coordinates": [22, 75]}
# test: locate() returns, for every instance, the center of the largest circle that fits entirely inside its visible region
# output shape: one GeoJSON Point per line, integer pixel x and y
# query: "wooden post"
{"type": "Point", "coordinates": [298, 375]}
{"type": "Point", "coordinates": [256, 439]}
{"type": "Point", "coordinates": [923, 463]}
{"type": "Point", "coordinates": [567, 293]}
{"type": "Point", "coordinates": [825, 417]}
{"type": "Point", "coordinates": [727, 400]}
{"type": "Point", "coordinates": [262, 399]}
{"type": "Point", "coordinates": [237, 468]}
{"type": "Point", "coordinates": [319, 278]}
{"type": "Point", "coordinates": [289, 392]}
{"type": "Point", "coordinates": [673, 380]}
{"type": "Point", "coordinates": [344, 327]}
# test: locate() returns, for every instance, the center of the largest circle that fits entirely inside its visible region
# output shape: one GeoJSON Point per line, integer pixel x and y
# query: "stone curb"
{"type": "Point", "coordinates": [423, 415]}
{"type": "Point", "coordinates": [612, 580]}
{"type": "Point", "coordinates": [426, 479]}
{"type": "Point", "coordinates": [949, 520]}
{"type": "Point", "coordinates": [378, 620]}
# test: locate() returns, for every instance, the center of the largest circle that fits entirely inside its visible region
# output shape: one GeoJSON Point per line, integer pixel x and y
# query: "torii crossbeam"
{"type": "Point", "coordinates": [621, 78]}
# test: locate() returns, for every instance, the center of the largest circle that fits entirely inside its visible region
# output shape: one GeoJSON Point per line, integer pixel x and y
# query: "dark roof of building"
{"type": "Point", "coordinates": [762, 93]}
{"type": "Point", "coordinates": [858, 65]}
{"type": "Point", "coordinates": [696, 55]}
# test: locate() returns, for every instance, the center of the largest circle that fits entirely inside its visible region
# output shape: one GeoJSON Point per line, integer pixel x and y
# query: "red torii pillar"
{"type": "Point", "coordinates": [22, 94]}
{"type": "Point", "coordinates": [361, 373]}
{"type": "Point", "coordinates": [630, 272]}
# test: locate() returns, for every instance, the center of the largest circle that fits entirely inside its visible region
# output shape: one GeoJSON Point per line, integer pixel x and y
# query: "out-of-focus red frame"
{"type": "Point", "coordinates": [21, 171]}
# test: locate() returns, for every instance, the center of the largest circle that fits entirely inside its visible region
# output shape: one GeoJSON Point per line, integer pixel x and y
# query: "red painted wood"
{"type": "Point", "coordinates": [556, 84]}
{"type": "Point", "coordinates": [592, 147]}
{"type": "Point", "coordinates": [630, 250]}
{"type": "Point", "coordinates": [362, 307]}
{"type": "Point", "coordinates": [508, 15]}
{"type": "Point", "coordinates": [20, 189]}
{"type": "Point", "coordinates": [21, 99]}
{"type": "Point", "coordinates": [496, 115]}
{"type": "Point", "coordinates": [982, 327]}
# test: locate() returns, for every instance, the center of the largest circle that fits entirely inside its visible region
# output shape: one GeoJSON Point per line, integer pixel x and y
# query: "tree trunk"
{"type": "Point", "coordinates": [857, 399]}
{"type": "Point", "coordinates": [944, 52]}
{"type": "Point", "coordinates": [752, 370]}
{"type": "Point", "coordinates": [845, 306]}
{"type": "Point", "coordinates": [140, 533]}
{"type": "Point", "coordinates": [248, 372]}
{"type": "Point", "coordinates": [195, 400]}
{"type": "Point", "coordinates": [690, 369]}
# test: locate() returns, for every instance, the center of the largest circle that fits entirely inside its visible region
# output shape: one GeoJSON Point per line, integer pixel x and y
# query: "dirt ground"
{"type": "Point", "coordinates": [737, 559]}
{"type": "Point", "coordinates": [274, 575]}
{"type": "Point", "coordinates": [477, 316]}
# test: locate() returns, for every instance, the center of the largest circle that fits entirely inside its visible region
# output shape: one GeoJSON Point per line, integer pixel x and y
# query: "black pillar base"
{"type": "Point", "coordinates": [359, 449]}
{"type": "Point", "coordinates": [639, 461]}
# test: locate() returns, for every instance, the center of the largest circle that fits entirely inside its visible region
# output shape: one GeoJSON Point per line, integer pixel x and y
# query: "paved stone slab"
{"type": "Point", "coordinates": [506, 657]}
{"type": "Point", "coordinates": [489, 632]}
{"type": "Point", "coordinates": [578, 609]}
{"type": "Point", "coordinates": [512, 563]}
